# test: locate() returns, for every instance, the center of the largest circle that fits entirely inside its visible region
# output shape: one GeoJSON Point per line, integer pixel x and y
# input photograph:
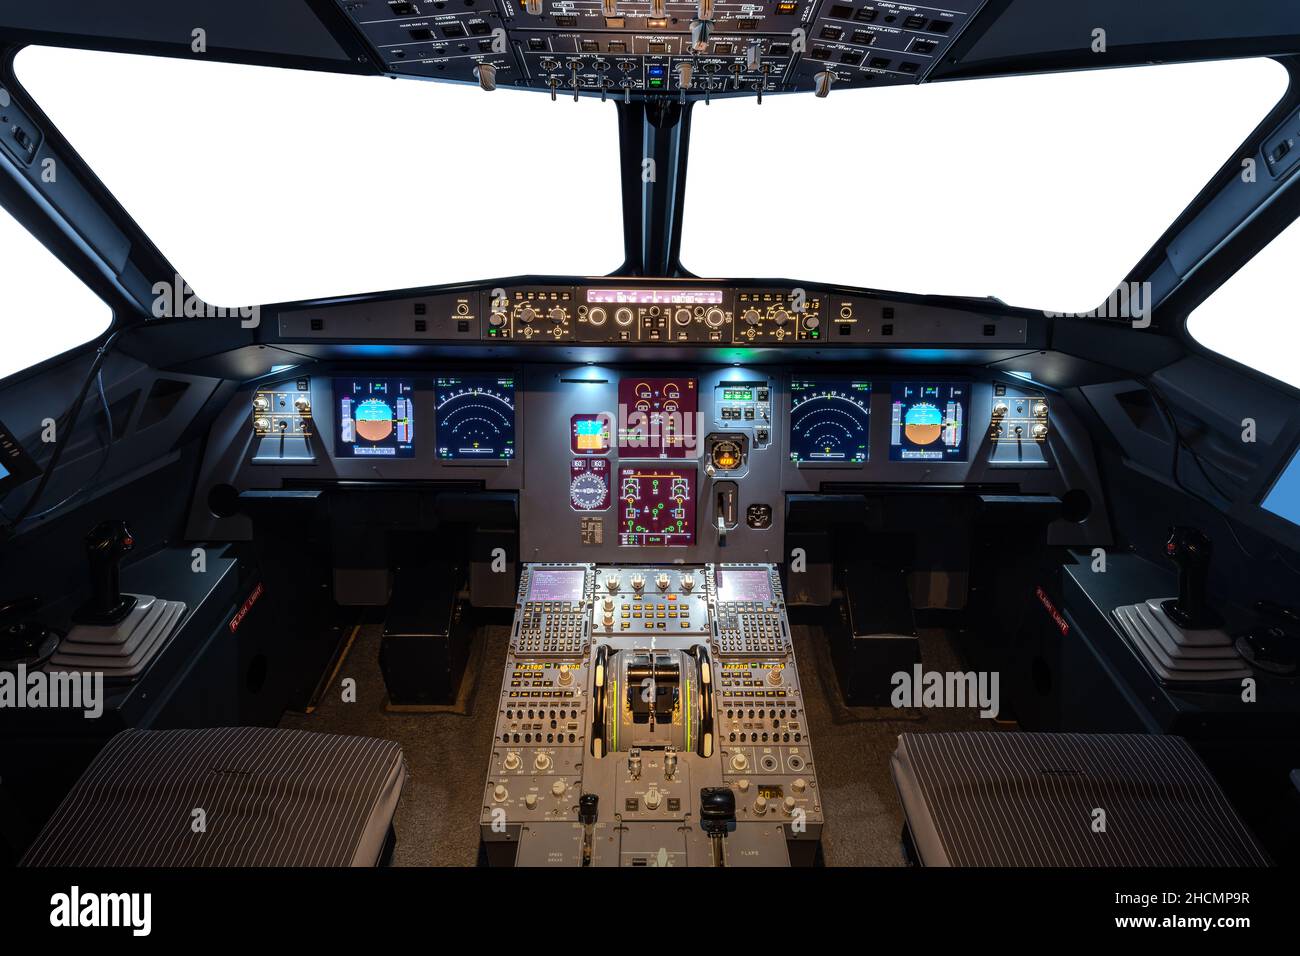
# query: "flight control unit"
{"type": "Point", "coordinates": [651, 716]}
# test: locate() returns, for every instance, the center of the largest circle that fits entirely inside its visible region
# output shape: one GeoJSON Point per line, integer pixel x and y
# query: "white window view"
{"type": "Point", "coordinates": [47, 309]}
{"type": "Point", "coordinates": [1251, 317]}
{"type": "Point", "coordinates": [1043, 191]}
{"type": "Point", "coordinates": [268, 185]}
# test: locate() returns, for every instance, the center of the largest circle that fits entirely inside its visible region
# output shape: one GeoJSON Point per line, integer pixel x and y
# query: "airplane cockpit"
{"type": "Point", "coordinates": [647, 433]}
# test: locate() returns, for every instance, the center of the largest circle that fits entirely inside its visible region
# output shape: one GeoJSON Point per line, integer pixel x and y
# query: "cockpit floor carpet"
{"type": "Point", "coordinates": [446, 752]}
{"type": "Point", "coordinates": [852, 747]}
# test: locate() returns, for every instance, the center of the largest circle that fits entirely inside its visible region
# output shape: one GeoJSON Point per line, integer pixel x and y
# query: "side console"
{"type": "Point", "coordinates": [651, 716]}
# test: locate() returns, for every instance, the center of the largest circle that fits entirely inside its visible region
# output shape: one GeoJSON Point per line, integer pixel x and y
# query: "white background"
{"type": "Point", "coordinates": [266, 185]}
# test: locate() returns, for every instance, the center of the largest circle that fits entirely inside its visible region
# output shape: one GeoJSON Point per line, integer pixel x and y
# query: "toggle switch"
{"type": "Point", "coordinates": [486, 74]}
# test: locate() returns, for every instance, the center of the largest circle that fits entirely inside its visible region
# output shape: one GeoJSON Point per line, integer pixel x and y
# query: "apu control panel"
{"type": "Point", "coordinates": [651, 716]}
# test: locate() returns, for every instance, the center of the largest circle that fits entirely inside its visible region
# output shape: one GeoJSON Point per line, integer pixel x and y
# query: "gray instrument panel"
{"type": "Point", "coordinates": [564, 515]}
{"type": "Point", "coordinates": [641, 686]}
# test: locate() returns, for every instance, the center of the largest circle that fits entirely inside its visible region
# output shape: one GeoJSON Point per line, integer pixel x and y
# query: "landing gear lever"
{"type": "Point", "coordinates": [1190, 550]}
{"type": "Point", "coordinates": [105, 546]}
{"type": "Point", "coordinates": [717, 816]}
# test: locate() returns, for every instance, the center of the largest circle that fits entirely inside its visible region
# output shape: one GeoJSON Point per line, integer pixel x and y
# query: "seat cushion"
{"type": "Point", "coordinates": [1017, 799]}
{"type": "Point", "coordinates": [228, 796]}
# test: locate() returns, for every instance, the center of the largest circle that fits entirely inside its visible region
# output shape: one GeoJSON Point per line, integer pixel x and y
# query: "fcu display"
{"type": "Point", "coordinates": [929, 422]}
{"type": "Point", "coordinates": [830, 421]}
{"type": "Point", "coordinates": [657, 417]}
{"type": "Point", "coordinates": [658, 507]}
{"type": "Point", "coordinates": [376, 418]}
{"type": "Point", "coordinates": [475, 417]}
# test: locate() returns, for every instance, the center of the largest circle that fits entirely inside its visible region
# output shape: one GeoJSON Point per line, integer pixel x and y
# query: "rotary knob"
{"type": "Point", "coordinates": [611, 583]}
{"type": "Point", "coordinates": [512, 761]}
{"type": "Point", "coordinates": [527, 314]}
{"type": "Point", "coordinates": [566, 675]}
{"type": "Point", "coordinates": [302, 404]}
{"type": "Point", "coordinates": [752, 317]}
{"type": "Point", "coordinates": [530, 801]}
{"type": "Point", "coordinates": [774, 676]}
{"type": "Point", "coordinates": [739, 762]}
{"type": "Point", "coordinates": [781, 317]}
{"type": "Point", "coordinates": [661, 582]}
{"type": "Point", "coordinates": [542, 763]}
{"type": "Point", "coordinates": [682, 316]}
{"type": "Point", "coordinates": [1039, 430]}
{"type": "Point", "coordinates": [558, 788]}
{"type": "Point", "coordinates": [624, 316]}
{"type": "Point", "coordinates": [262, 424]}
{"type": "Point", "coordinates": [688, 582]}
{"type": "Point", "coordinates": [800, 785]}
{"type": "Point", "coordinates": [652, 799]}
{"type": "Point", "coordinates": [714, 318]}
{"type": "Point", "coordinates": [497, 319]}
{"type": "Point", "coordinates": [1000, 409]}
{"type": "Point", "coordinates": [1040, 409]}
{"type": "Point", "coordinates": [742, 785]}
{"type": "Point", "coordinates": [788, 805]}
{"type": "Point", "coordinates": [262, 403]}
{"type": "Point", "coordinates": [596, 316]}
{"type": "Point", "coordinates": [760, 805]}
{"type": "Point", "coordinates": [557, 314]}
{"type": "Point", "coordinates": [638, 582]}
{"type": "Point", "coordinates": [500, 794]}
{"type": "Point", "coordinates": [812, 322]}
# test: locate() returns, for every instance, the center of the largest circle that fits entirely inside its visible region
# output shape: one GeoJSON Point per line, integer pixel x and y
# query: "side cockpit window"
{"type": "Point", "coordinates": [47, 310]}
{"type": "Point", "coordinates": [1250, 318]}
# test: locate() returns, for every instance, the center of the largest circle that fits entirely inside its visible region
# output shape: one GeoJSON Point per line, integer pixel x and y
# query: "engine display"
{"type": "Point", "coordinates": [657, 417]}
{"type": "Point", "coordinates": [830, 421]}
{"type": "Point", "coordinates": [929, 422]}
{"type": "Point", "coordinates": [658, 507]}
{"type": "Point", "coordinates": [589, 484]}
{"type": "Point", "coordinates": [475, 417]}
{"type": "Point", "coordinates": [376, 418]}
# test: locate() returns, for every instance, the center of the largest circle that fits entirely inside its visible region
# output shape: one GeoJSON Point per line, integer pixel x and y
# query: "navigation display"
{"type": "Point", "coordinates": [657, 507]}
{"type": "Point", "coordinates": [744, 584]}
{"type": "Point", "coordinates": [928, 422]}
{"type": "Point", "coordinates": [657, 418]}
{"type": "Point", "coordinates": [475, 417]}
{"type": "Point", "coordinates": [556, 584]}
{"type": "Point", "coordinates": [830, 421]}
{"type": "Point", "coordinates": [376, 418]}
